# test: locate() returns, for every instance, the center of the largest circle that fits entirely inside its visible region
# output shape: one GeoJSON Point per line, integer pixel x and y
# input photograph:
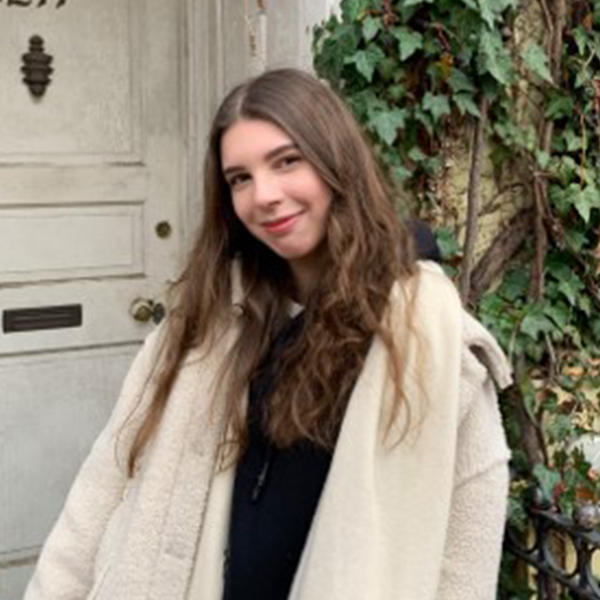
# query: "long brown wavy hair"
{"type": "Point", "coordinates": [367, 250]}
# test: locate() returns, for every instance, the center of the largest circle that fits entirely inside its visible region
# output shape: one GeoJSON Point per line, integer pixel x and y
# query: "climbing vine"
{"type": "Point", "coordinates": [419, 74]}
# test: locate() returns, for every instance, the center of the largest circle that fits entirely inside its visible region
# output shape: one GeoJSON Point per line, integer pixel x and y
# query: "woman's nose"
{"type": "Point", "coordinates": [267, 190]}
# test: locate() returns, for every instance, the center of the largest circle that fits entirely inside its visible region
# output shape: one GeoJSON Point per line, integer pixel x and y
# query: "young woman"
{"type": "Point", "coordinates": [316, 418]}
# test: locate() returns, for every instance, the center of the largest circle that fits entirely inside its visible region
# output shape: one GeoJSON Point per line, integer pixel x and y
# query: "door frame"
{"type": "Point", "coordinates": [203, 83]}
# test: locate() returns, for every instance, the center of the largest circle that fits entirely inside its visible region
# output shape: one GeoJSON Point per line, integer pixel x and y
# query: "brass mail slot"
{"type": "Point", "coordinates": [44, 317]}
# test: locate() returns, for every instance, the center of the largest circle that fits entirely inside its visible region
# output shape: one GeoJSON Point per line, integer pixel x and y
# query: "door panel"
{"type": "Point", "coordinates": [91, 107]}
{"type": "Point", "coordinates": [39, 424]}
{"type": "Point", "coordinates": [104, 240]}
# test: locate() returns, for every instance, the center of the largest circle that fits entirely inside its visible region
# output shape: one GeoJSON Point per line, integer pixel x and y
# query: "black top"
{"type": "Point", "coordinates": [275, 495]}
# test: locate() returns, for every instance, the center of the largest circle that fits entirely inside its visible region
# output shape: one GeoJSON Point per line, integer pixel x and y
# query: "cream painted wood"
{"type": "Point", "coordinates": [86, 173]}
{"type": "Point", "coordinates": [104, 165]}
{"type": "Point", "coordinates": [279, 36]}
{"type": "Point", "coordinates": [92, 108]}
{"type": "Point", "coordinates": [86, 228]}
{"type": "Point", "coordinates": [205, 49]}
{"type": "Point", "coordinates": [48, 417]}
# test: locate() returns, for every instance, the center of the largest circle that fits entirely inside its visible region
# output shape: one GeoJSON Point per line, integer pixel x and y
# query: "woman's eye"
{"type": "Point", "coordinates": [238, 180]}
{"type": "Point", "coordinates": [287, 161]}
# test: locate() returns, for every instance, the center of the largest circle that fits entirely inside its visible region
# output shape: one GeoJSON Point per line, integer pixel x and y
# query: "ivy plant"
{"type": "Point", "coordinates": [413, 71]}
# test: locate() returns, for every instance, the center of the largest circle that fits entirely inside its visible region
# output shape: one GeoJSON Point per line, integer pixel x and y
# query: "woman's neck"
{"type": "Point", "coordinates": [306, 273]}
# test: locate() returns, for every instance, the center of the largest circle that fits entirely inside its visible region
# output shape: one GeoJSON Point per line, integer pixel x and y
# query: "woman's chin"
{"type": "Point", "coordinates": [291, 253]}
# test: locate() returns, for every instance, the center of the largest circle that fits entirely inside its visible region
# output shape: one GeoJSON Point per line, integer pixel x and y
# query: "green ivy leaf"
{"type": "Point", "coordinates": [387, 68]}
{"type": "Point", "coordinates": [352, 9]}
{"type": "Point", "coordinates": [575, 334]}
{"type": "Point", "coordinates": [502, 5]}
{"type": "Point", "coordinates": [374, 105]}
{"type": "Point", "coordinates": [585, 305]}
{"type": "Point", "coordinates": [574, 140]}
{"type": "Point", "coordinates": [400, 174]}
{"type": "Point", "coordinates": [542, 158]}
{"type": "Point", "coordinates": [366, 61]}
{"type": "Point", "coordinates": [559, 428]}
{"type": "Point", "coordinates": [334, 52]}
{"type": "Point", "coordinates": [547, 478]}
{"type": "Point", "coordinates": [465, 104]}
{"type": "Point", "coordinates": [494, 58]}
{"type": "Point", "coordinates": [447, 242]}
{"type": "Point", "coordinates": [365, 103]}
{"type": "Point", "coordinates": [370, 28]}
{"type": "Point", "coordinates": [471, 4]}
{"type": "Point", "coordinates": [416, 155]}
{"type": "Point", "coordinates": [583, 77]}
{"type": "Point", "coordinates": [559, 312]}
{"type": "Point", "coordinates": [516, 515]}
{"type": "Point", "coordinates": [560, 199]}
{"type": "Point", "coordinates": [408, 3]}
{"type": "Point", "coordinates": [559, 106]}
{"type": "Point", "coordinates": [576, 239]}
{"type": "Point", "coordinates": [535, 322]}
{"type": "Point", "coordinates": [436, 104]}
{"type": "Point", "coordinates": [567, 168]}
{"type": "Point", "coordinates": [596, 328]}
{"type": "Point", "coordinates": [386, 124]}
{"type": "Point", "coordinates": [536, 60]}
{"type": "Point", "coordinates": [459, 82]}
{"type": "Point", "coordinates": [409, 41]}
{"type": "Point", "coordinates": [515, 284]}
{"type": "Point", "coordinates": [585, 200]}
{"type": "Point", "coordinates": [570, 285]}
{"type": "Point", "coordinates": [425, 119]}
{"type": "Point", "coordinates": [396, 92]}
{"type": "Point", "coordinates": [487, 13]}
{"type": "Point", "coordinates": [581, 39]}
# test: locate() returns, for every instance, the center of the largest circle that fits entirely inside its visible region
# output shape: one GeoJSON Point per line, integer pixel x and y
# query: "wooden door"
{"type": "Point", "coordinates": [91, 198]}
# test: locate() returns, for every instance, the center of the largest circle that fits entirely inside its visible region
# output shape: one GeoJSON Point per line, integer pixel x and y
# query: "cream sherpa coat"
{"type": "Point", "coordinates": [420, 520]}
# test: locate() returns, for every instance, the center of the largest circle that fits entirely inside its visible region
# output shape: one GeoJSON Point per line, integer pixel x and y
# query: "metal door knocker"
{"type": "Point", "coordinates": [36, 67]}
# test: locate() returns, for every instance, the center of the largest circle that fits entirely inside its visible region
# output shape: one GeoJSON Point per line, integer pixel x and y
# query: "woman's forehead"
{"type": "Point", "coordinates": [249, 140]}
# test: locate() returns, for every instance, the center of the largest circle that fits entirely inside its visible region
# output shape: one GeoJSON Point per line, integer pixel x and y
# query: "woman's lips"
{"type": "Point", "coordinates": [282, 225]}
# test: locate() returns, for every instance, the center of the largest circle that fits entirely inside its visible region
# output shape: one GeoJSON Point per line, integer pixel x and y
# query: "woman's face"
{"type": "Point", "coordinates": [276, 193]}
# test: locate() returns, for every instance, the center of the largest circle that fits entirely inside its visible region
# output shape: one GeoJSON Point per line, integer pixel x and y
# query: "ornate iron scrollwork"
{"type": "Point", "coordinates": [36, 67]}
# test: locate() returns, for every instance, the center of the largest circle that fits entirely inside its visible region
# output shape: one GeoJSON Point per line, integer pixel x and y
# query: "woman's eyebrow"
{"type": "Point", "coordinates": [268, 156]}
{"type": "Point", "coordinates": [272, 153]}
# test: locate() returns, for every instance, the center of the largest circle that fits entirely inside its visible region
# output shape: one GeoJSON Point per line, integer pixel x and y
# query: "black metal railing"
{"type": "Point", "coordinates": [561, 551]}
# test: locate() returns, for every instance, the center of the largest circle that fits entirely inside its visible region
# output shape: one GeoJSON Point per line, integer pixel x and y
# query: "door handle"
{"type": "Point", "coordinates": [144, 310]}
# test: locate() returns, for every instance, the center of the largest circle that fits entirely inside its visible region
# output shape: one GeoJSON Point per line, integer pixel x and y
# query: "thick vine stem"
{"type": "Point", "coordinates": [473, 200]}
{"type": "Point", "coordinates": [540, 184]}
{"type": "Point", "coordinates": [559, 14]}
{"type": "Point", "coordinates": [541, 239]}
{"type": "Point", "coordinates": [547, 17]}
{"type": "Point", "coordinates": [532, 441]}
{"type": "Point", "coordinates": [500, 252]}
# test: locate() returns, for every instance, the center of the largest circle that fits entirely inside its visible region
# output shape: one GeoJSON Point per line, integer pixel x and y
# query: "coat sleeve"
{"type": "Point", "coordinates": [65, 569]}
{"type": "Point", "coordinates": [479, 498]}
{"type": "Point", "coordinates": [474, 543]}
